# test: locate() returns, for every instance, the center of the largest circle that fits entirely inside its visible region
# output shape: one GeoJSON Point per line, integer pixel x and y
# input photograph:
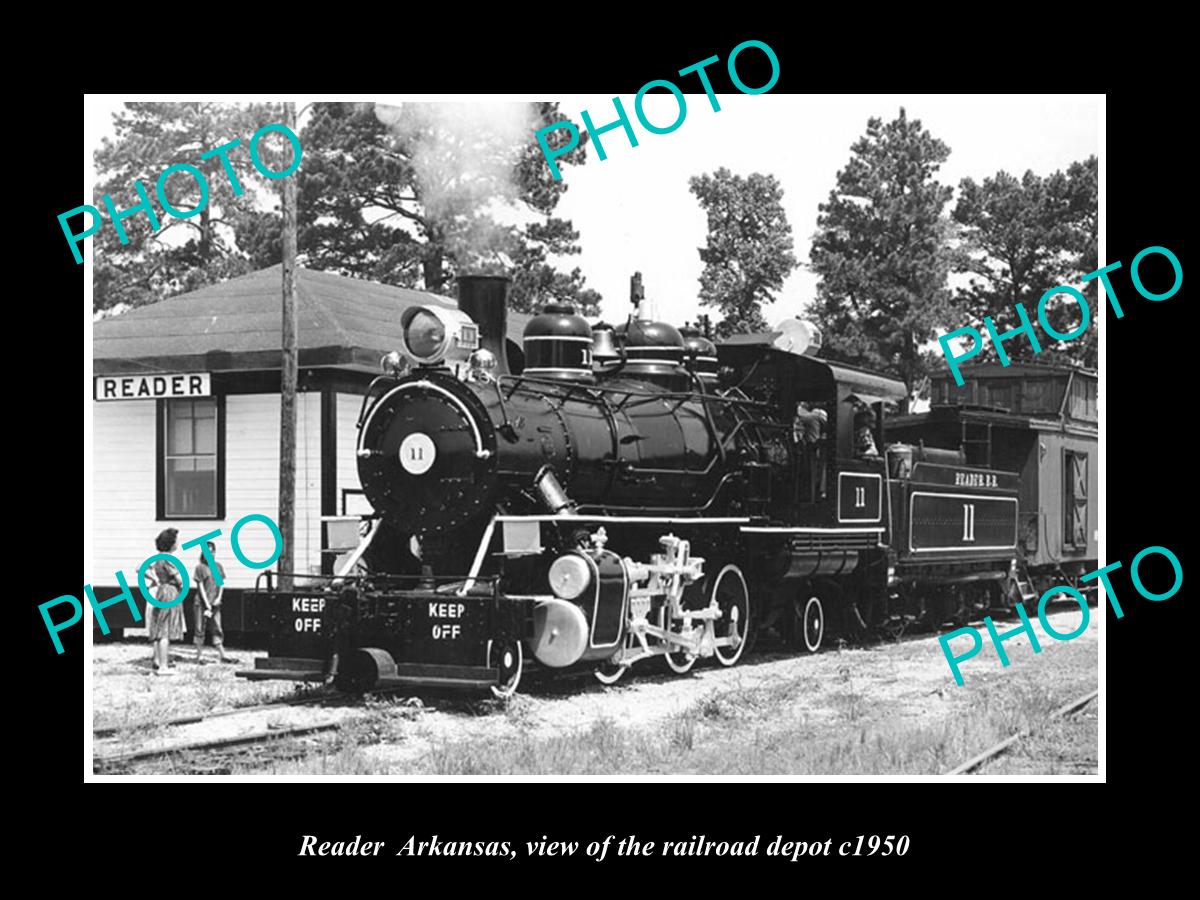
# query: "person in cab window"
{"type": "Point", "coordinates": [808, 429]}
{"type": "Point", "coordinates": [864, 428]}
{"type": "Point", "coordinates": [809, 426]}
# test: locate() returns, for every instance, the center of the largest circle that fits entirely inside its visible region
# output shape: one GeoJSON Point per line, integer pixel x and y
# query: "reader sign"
{"type": "Point", "coordinates": [150, 387]}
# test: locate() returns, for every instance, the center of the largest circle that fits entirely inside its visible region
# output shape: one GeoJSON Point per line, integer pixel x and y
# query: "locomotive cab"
{"type": "Point", "coordinates": [822, 550]}
{"type": "Point", "coordinates": [823, 402]}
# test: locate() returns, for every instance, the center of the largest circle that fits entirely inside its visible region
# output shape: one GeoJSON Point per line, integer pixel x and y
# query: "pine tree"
{"type": "Point", "coordinates": [156, 264]}
{"type": "Point", "coordinates": [1023, 237]}
{"type": "Point", "coordinates": [748, 253]}
{"type": "Point", "coordinates": [882, 252]}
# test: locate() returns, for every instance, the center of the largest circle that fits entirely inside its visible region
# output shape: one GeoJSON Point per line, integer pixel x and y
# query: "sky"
{"type": "Point", "coordinates": [634, 211]}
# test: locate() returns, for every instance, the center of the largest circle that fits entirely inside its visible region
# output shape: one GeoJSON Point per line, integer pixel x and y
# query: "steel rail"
{"type": "Point", "coordinates": [108, 730]}
{"type": "Point", "coordinates": [1063, 711]}
{"type": "Point", "coordinates": [214, 743]}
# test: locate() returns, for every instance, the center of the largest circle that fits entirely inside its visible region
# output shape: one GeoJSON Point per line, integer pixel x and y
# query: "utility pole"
{"type": "Point", "coordinates": [289, 371]}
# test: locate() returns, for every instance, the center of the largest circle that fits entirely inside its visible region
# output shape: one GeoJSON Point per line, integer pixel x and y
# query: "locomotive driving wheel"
{"type": "Point", "coordinates": [507, 657]}
{"type": "Point", "coordinates": [733, 598]}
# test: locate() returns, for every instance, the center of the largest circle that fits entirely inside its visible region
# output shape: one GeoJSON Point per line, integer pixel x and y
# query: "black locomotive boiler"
{"type": "Point", "coordinates": [601, 497]}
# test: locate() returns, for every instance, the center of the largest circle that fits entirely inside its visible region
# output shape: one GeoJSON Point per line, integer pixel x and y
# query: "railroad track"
{"type": "Point", "coordinates": [215, 753]}
{"type": "Point", "coordinates": [996, 750]}
{"type": "Point", "coordinates": [103, 762]}
{"type": "Point", "coordinates": [109, 730]}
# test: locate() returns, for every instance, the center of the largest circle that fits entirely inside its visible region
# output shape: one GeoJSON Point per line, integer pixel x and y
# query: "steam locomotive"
{"type": "Point", "coordinates": [602, 497]}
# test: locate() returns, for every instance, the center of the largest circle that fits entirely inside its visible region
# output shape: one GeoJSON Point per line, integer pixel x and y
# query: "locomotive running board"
{"type": "Point", "coordinates": [784, 529]}
{"type": "Point", "coordinates": [429, 675]}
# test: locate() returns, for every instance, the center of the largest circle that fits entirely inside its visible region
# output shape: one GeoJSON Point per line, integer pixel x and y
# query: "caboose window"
{"type": "Point", "coordinates": [1075, 512]}
{"type": "Point", "coordinates": [190, 459]}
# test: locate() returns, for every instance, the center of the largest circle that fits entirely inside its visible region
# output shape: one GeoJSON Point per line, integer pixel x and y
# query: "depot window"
{"type": "Point", "coordinates": [191, 458]}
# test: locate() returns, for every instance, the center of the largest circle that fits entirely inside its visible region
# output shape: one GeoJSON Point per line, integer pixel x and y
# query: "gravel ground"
{"type": "Point", "coordinates": [905, 685]}
{"type": "Point", "coordinates": [125, 690]}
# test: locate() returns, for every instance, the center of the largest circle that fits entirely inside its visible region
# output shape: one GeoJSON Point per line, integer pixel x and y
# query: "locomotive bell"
{"type": "Point", "coordinates": [604, 344]}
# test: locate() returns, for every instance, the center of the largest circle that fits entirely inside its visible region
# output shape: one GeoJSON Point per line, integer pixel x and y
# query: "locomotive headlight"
{"type": "Point", "coordinates": [432, 335]}
{"type": "Point", "coordinates": [425, 335]}
{"type": "Point", "coordinates": [569, 576]}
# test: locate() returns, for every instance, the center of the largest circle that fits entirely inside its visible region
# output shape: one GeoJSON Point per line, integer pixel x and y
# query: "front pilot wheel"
{"type": "Point", "coordinates": [508, 660]}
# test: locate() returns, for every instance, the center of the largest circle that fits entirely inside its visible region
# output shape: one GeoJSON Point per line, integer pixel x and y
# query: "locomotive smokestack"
{"type": "Point", "coordinates": [485, 299]}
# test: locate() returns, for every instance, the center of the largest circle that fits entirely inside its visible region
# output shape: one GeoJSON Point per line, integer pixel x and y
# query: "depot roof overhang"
{"type": "Point", "coordinates": [342, 322]}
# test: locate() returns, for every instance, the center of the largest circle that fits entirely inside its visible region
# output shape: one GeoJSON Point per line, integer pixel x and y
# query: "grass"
{"type": "Point", "coordinates": [126, 692]}
{"type": "Point", "coordinates": [388, 719]}
{"type": "Point", "coordinates": [605, 747]}
{"type": "Point", "coordinates": [708, 739]}
{"type": "Point", "coordinates": [761, 731]}
{"type": "Point", "coordinates": [840, 723]}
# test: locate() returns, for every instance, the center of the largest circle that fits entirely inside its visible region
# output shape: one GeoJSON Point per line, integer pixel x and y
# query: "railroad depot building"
{"type": "Point", "coordinates": [186, 412]}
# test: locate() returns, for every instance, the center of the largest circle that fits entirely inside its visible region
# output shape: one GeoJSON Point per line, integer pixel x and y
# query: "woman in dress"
{"type": "Point", "coordinates": [166, 625]}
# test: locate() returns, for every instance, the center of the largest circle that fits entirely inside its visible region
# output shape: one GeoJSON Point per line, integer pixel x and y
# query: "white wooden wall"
{"type": "Point", "coordinates": [348, 406]}
{"type": "Point", "coordinates": [123, 501]}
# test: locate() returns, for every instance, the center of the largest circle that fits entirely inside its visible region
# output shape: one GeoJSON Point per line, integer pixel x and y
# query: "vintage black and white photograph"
{"type": "Point", "coordinates": [506, 436]}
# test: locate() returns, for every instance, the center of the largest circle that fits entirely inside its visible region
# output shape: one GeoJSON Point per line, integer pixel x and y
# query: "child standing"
{"type": "Point", "coordinates": [208, 608]}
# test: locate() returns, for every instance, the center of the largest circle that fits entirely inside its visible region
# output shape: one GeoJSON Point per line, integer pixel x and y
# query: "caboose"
{"type": "Point", "coordinates": [603, 496]}
{"type": "Point", "coordinates": [1040, 422]}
